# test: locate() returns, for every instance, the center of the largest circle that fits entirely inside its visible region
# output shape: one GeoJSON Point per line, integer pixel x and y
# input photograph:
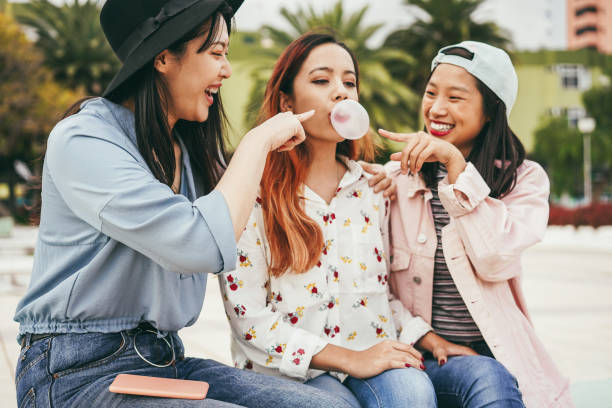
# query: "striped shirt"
{"type": "Point", "coordinates": [450, 317]}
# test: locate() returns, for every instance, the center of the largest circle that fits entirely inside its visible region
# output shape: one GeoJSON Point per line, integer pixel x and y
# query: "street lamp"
{"type": "Point", "coordinates": [586, 127]}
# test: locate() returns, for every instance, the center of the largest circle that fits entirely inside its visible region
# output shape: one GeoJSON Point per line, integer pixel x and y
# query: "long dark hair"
{"type": "Point", "coordinates": [496, 141]}
{"type": "Point", "coordinates": [205, 142]}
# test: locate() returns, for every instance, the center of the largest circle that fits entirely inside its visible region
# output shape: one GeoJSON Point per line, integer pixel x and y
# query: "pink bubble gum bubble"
{"type": "Point", "coordinates": [350, 119]}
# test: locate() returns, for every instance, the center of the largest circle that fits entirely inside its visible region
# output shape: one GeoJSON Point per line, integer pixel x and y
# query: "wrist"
{"type": "Point", "coordinates": [334, 358]}
{"type": "Point", "coordinates": [429, 341]}
{"type": "Point", "coordinates": [255, 142]}
{"type": "Point", "coordinates": [346, 359]}
{"type": "Point", "coordinates": [455, 166]}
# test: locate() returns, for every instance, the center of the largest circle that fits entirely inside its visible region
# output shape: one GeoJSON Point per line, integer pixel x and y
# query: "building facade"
{"type": "Point", "coordinates": [589, 25]}
{"type": "Point", "coordinates": [551, 83]}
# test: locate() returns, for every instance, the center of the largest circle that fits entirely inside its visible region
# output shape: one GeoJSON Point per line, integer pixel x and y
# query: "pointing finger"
{"type": "Point", "coordinates": [305, 115]}
{"type": "Point", "coordinates": [398, 137]}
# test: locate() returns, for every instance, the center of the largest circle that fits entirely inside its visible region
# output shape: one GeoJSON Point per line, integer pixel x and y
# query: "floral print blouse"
{"type": "Point", "coordinates": [279, 323]}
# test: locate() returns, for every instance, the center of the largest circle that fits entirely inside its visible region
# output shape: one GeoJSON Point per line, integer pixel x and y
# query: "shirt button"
{"type": "Point", "coordinates": [417, 280]}
{"type": "Point", "coordinates": [421, 239]}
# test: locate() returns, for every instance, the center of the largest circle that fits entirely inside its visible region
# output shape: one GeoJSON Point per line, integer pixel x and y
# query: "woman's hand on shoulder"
{"type": "Point", "coordinates": [383, 356]}
{"type": "Point", "coordinates": [282, 131]}
{"type": "Point", "coordinates": [422, 147]}
{"type": "Point", "coordinates": [380, 180]}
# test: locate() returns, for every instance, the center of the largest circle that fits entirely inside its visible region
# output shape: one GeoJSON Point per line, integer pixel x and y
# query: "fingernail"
{"type": "Point", "coordinates": [422, 366]}
{"type": "Point", "coordinates": [442, 362]}
{"type": "Point", "coordinates": [408, 365]}
{"type": "Point", "coordinates": [422, 359]}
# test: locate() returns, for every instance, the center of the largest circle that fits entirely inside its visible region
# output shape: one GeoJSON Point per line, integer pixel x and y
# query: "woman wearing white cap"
{"type": "Point", "coordinates": [468, 205]}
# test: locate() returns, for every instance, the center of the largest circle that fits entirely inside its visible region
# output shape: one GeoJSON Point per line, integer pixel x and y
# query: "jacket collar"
{"type": "Point", "coordinates": [410, 183]}
{"type": "Point", "coordinates": [414, 184]}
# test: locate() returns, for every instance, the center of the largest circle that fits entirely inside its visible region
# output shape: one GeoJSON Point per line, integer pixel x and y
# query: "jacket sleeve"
{"type": "Point", "coordinates": [107, 187]}
{"type": "Point", "coordinates": [495, 232]}
{"type": "Point", "coordinates": [267, 337]}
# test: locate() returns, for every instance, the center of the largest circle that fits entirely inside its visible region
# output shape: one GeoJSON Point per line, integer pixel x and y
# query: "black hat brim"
{"type": "Point", "coordinates": [166, 35]}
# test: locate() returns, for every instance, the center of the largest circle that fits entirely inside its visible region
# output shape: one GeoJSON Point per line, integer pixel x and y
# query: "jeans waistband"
{"type": "Point", "coordinates": [28, 338]}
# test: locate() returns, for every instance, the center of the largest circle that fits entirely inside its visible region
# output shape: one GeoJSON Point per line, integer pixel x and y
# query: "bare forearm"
{"type": "Point", "coordinates": [241, 180]}
{"type": "Point", "coordinates": [332, 358]}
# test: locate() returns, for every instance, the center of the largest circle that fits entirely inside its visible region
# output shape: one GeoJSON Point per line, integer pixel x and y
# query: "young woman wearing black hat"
{"type": "Point", "coordinates": [136, 210]}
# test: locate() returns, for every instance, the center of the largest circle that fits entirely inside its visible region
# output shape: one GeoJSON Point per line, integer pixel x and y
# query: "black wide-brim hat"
{"type": "Point", "coordinates": [138, 30]}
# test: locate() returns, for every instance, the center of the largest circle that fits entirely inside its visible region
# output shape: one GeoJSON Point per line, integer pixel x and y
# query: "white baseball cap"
{"type": "Point", "coordinates": [491, 65]}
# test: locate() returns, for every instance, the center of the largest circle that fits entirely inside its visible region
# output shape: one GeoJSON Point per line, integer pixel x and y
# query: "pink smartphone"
{"type": "Point", "coordinates": [158, 387]}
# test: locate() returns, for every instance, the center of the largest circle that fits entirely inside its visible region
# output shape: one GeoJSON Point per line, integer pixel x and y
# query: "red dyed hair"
{"type": "Point", "coordinates": [295, 239]}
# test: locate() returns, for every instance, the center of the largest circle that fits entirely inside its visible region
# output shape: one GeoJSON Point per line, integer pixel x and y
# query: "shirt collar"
{"type": "Point", "coordinates": [354, 173]}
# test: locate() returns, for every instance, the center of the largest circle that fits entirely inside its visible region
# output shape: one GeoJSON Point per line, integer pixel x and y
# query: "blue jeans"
{"type": "Point", "coordinates": [402, 388]}
{"type": "Point", "coordinates": [473, 382]}
{"type": "Point", "coordinates": [75, 370]}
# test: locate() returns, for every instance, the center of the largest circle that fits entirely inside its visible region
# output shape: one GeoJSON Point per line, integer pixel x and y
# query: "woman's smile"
{"type": "Point", "coordinates": [440, 129]}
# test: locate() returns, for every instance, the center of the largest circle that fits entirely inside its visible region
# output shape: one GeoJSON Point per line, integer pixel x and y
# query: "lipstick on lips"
{"type": "Point", "coordinates": [440, 129]}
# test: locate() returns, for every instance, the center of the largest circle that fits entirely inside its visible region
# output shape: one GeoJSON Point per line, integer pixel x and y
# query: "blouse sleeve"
{"type": "Point", "coordinates": [495, 232]}
{"type": "Point", "coordinates": [107, 187]}
{"type": "Point", "coordinates": [265, 335]}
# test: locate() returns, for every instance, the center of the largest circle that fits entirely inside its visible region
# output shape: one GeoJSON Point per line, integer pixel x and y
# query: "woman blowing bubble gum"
{"type": "Point", "coordinates": [309, 298]}
{"type": "Point", "coordinates": [478, 204]}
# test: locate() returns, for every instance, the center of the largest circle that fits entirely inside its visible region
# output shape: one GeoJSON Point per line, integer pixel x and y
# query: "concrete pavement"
{"type": "Point", "coordinates": [567, 282]}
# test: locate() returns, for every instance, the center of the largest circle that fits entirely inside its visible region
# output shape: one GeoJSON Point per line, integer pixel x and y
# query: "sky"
{"type": "Point", "coordinates": [532, 24]}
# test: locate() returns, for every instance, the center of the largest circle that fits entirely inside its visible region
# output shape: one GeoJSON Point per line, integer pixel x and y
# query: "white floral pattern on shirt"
{"type": "Point", "coordinates": [278, 324]}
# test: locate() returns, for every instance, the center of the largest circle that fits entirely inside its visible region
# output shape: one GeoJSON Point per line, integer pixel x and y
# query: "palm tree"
{"type": "Point", "coordinates": [30, 101]}
{"type": "Point", "coordinates": [389, 102]}
{"type": "Point", "coordinates": [439, 23]}
{"type": "Point", "coordinates": [72, 41]}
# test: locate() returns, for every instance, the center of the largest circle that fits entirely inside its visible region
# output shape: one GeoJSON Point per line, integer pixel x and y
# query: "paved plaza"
{"type": "Point", "coordinates": [567, 283]}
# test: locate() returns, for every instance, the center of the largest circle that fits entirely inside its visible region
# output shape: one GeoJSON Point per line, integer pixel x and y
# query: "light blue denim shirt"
{"type": "Point", "coordinates": [116, 247]}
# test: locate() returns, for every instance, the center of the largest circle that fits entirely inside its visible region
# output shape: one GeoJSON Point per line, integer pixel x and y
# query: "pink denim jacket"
{"type": "Point", "coordinates": [482, 244]}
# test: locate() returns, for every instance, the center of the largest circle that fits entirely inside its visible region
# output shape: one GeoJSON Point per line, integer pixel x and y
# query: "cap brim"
{"type": "Point", "coordinates": [167, 34]}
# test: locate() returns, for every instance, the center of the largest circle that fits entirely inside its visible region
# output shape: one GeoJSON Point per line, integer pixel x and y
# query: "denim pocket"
{"type": "Point", "coordinates": [72, 353]}
{"type": "Point", "coordinates": [29, 358]}
{"type": "Point", "coordinates": [29, 401]}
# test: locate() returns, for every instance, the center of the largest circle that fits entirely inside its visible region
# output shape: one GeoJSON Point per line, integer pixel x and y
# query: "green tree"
{"type": "Point", "coordinates": [30, 101]}
{"type": "Point", "coordinates": [438, 23]}
{"type": "Point", "coordinates": [72, 42]}
{"type": "Point", "coordinates": [558, 147]}
{"type": "Point", "coordinates": [388, 101]}
{"type": "Point", "coordinates": [598, 102]}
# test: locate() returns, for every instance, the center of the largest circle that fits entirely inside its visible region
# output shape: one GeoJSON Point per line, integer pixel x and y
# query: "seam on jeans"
{"type": "Point", "coordinates": [27, 368]}
{"type": "Point", "coordinates": [373, 390]}
{"type": "Point", "coordinates": [97, 363]}
{"type": "Point", "coordinates": [29, 397]}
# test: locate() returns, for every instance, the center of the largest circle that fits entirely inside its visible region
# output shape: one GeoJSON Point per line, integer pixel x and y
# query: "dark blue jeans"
{"type": "Point", "coordinates": [473, 381]}
{"type": "Point", "coordinates": [75, 370]}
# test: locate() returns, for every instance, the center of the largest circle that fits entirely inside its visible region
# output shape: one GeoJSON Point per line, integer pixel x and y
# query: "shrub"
{"type": "Point", "coordinates": [594, 215]}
